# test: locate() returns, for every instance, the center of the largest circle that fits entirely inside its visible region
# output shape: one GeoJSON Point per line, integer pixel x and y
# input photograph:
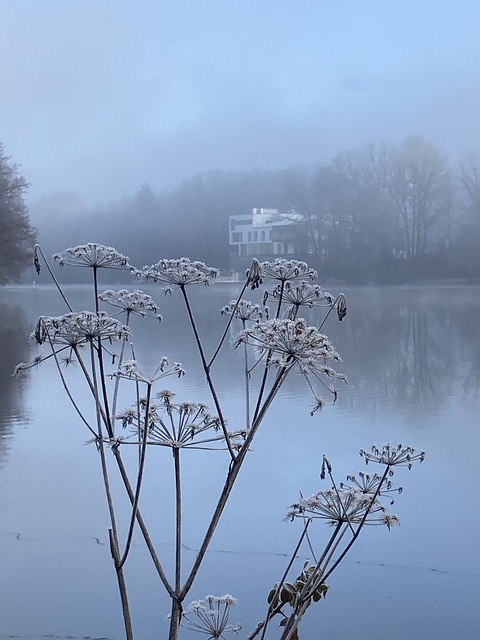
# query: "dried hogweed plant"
{"type": "Point", "coordinates": [347, 508]}
{"type": "Point", "coordinates": [275, 344]}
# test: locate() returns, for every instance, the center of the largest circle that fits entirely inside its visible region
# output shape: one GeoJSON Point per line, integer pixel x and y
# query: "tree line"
{"type": "Point", "coordinates": [381, 214]}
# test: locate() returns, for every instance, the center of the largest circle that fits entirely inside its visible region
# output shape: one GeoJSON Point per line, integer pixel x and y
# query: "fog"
{"type": "Point", "coordinates": [98, 98]}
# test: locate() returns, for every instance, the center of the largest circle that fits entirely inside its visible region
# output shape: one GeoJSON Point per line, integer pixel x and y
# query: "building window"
{"type": "Point", "coordinates": [255, 236]}
{"type": "Point", "coordinates": [278, 248]}
{"type": "Point", "coordinates": [262, 236]}
{"type": "Point", "coordinates": [290, 248]}
{"type": "Point", "coordinates": [237, 236]}
{"type": "Point", "coordinates": [249, 236]}
{"type": "Point", "coordinates": [270, 235]}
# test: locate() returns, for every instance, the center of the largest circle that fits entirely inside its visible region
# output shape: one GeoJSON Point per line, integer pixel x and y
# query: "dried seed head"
{"type": "Point", "coordinates": [341, 306]}
{"type": "Point", "coordinates": [254, 274]}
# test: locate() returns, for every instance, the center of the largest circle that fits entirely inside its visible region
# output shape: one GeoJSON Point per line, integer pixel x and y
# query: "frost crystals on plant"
{"type": "Point", "coordinates": [92, 255]}
{"type": "Point", "coordinates": [136, 302]}
{"type": "Point", "coordinates": [210, 616]}
{"type": "Point", "coordinates": [178, 272]}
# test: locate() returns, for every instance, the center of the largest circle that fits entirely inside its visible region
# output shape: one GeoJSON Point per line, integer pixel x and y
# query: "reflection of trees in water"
{"type": "Point", "coordinates": [468, 322]}
{"type": "Point", "coordinates": [14, 348]}
{"type": "Point", "coordinates": [405, 347]}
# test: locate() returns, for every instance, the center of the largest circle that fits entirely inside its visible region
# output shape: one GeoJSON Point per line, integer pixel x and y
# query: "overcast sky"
{"type": "Point", "coordinates": [101, 96]}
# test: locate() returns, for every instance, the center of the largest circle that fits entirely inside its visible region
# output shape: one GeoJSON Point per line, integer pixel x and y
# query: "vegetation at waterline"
{"type": "Point", "coordinates": [133, 418]}
{"type": "Point", "coordinates": [16, 233]}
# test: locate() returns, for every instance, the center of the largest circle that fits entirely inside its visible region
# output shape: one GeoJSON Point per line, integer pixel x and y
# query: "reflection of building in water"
{"type": "Point", "coordinates": [14, 348]}
{"type": "Point", "coordinates": [266, 234]}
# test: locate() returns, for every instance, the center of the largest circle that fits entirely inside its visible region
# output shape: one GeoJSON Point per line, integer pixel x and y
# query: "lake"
{"type": "Point", "coordinates": [412, 359]}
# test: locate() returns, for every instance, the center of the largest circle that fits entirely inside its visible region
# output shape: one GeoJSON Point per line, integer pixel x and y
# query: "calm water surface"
{"type": "Point", "coordinates": [412, 358]}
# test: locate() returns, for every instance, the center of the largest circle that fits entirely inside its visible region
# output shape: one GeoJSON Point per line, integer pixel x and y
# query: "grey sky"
{"type": "Point", "coordinates": [100, 96]}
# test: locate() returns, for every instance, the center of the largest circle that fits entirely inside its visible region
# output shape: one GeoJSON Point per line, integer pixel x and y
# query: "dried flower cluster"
{"type": "Point", "coordinates": [393, 456]}
{"type": "Point", "coordinates": [358, 501]}
{"type": "Point", "coordinates": [342, 506]}
{"type": "Point", "coordinates": [129, 370]}
{"type": "Point", "coordinates": [92, 255]}
{"type": "Point", "coordinates": [176, 425]}
{"type": "Point", "coordinates": [178, 272]}
{"type": "Point", "coordinates": [370, 485]}
{"type": "Point", "coordinates": [77, 328]}
{"type": "Point", "coordinates": [210, 616]}
{"type": "Point", "coordinates": [136, 302]}
{"type": "Point", "coordinates": [292, 343]}
{"type": "Point", "coordinates": [287, 270]}
{"type": "Point", "coordinates": [245, 310]}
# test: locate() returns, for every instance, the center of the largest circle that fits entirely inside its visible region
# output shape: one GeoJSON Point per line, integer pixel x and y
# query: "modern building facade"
{"type": "Point", "coordinates": [266, 234]}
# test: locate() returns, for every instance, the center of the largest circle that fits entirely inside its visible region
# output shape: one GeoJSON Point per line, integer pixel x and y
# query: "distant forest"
{"type": "Point", "coordinates": [382, 214]}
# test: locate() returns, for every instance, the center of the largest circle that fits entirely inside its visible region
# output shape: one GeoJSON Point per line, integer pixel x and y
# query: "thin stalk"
{"type": "Point", "coordinates": [332, 307]}
{"type": "Point", "coordinates": [122, 588]}
{"type": "Point", "coordinates": [89, 382]}
{"type": "Point", "coordinates": [359, 528]}
{"type": "Point", "coordinates": [178, 520]}
{"type": "Point", "coordinates": [224, 335]}
{"type": "Point", "coordinates": [235, 467]}
{"type": "Point", "coordinates": [247, 383]}
{"type": "Point", "coordinates": [206, 370]}
{"type": "Point", "coordinates": [52, 275]}
{"type": "Point", "coordinates": [268, 617]}
{"type": "Point", "coordinates": [269, 354]}
{"type": "Point", "coordinates": [109, 425]}
{"type": "Point", "coordinates": [67, 390]}
{"type": "Point", "coordinates": [141, 524]}
{"type": "Point", "coordinates": [139, 479]}
{"type": "Point", "coordinates": [305, 594]}
{"type": "Point", "coordinates": [120, 360]}
{"type": "Point", "coordinates": [334, 548]}
{"type": "Point", "coordinates": [111, 510]}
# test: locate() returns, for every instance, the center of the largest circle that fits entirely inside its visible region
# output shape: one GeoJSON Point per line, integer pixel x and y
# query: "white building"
{"type": "Point", "coordinates": [267, 233]}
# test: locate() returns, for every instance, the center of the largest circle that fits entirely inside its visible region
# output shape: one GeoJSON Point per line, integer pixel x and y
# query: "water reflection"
{"type": "Point", "coordinates": [406, 348]}
{"type": "Point", "coordinates": [407, 352]}
{"type": "Point", "coordinates": [13, 349]}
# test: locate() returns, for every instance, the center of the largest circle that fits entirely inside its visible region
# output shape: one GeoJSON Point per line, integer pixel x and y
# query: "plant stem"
{"type": "Point", "coordinates": [175, 618]}
{"type": "Point", "coordinates": [109, 425]}
{"type": "Point", "coordinates": [178, 520]}
{"type": "Point", "coordinates": [224, 335]}
{"type": "Point", "coordinates": [139, 478]}
{"type": "Point", "coordinates": [269, 616]}
{"type": "Point", "coordinates": [235, 467]}
{"type": "Point", "coordinates": [141, 523]}
{"type": "Point", "coordinates": [52, 275]}
{"type": "Point", "coordinates": [206, 370]}
{"type": "Point", "coordinates": [360, 526]}
{"type": "Point", "coordinates": [111, 510]}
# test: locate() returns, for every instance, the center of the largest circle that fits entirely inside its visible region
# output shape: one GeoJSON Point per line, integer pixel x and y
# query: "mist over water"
{"type": "Point", "coordinates": [412, 361]}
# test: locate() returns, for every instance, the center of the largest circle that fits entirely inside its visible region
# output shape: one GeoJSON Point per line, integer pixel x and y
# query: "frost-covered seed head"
{"type": "Point", "coordinates": [291, 343]}
{"type": "Point", "coordinates": [178, 425]}
{"type": "Point", "coordinates": [254, 275]}
{"type": "Point", "coordinates": [178, 272]}
{"type": "Point", "coordinates": [210, 616]}
{"type": "Point", "coordinates": [92, 255]}
{"type": "Point", "coordinates": [130, 370]}
{"type": "Point", "coordinates": [79, 328]}
{"type": "Point", "coordinates": [393, 456]}
{"type": "Point", "coordinates": [288, 270]}
{"type": "Point", "coordinates": [303, 294]}
{"type": "Point", "coordinates": [245, 310]}
{"type": "Point", "coordinates": [136, 302]}
{"type": "Point", "coordinates": [340, 506]}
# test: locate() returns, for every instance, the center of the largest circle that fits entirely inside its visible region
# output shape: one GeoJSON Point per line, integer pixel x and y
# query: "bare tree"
{"type": "Point", "coordinates": [421, 188]}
